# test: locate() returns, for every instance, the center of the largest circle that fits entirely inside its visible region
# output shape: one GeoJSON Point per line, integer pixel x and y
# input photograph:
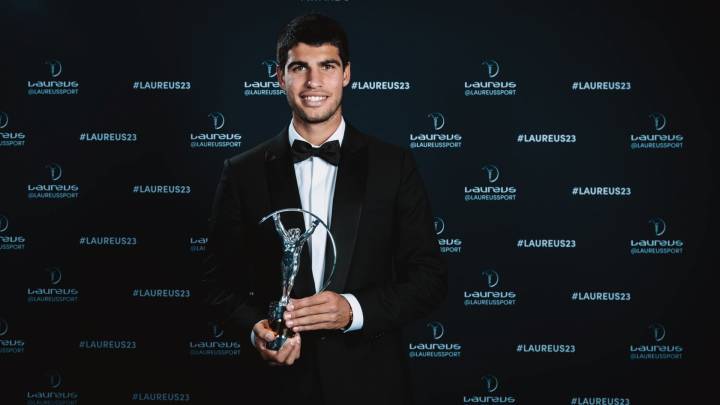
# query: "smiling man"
{"type": "Point", "coordinates": [347, 347]}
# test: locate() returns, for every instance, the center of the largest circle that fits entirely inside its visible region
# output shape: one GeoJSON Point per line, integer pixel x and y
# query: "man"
{"type": "Point", "coordinates": [347, 347]}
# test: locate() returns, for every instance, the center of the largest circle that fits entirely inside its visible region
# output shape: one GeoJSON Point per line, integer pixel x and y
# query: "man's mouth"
{"type": "Point", "coordinates": [313, 101]}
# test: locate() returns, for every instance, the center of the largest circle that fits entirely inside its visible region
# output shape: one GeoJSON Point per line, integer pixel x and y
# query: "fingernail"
{"type": "Point", "coordinates": [269, 336]}
{"type": "Point", "coordinates": [290, 307]}
{"type": "Point", "coordinates": [288, 315]}
{"type": "Point", "coordinates": [289, 323]}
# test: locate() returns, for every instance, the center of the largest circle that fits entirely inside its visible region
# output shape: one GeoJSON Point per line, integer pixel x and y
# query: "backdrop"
{"type": "Point", "coordinates": [566, 149]}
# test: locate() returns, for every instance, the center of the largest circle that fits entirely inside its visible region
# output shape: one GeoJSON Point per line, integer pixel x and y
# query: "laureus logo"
{"type": "Point", "coordinates": [215, 330]}
{"type": "Point", "coordinates": [55, 67]}
{"type": "Point", "coordinates": [4, 223]}
{"type": "Point", "coordinates": [3, 119]}
{"type": "Point", "coordinates": [657, 331]}
{"type": "Point", "coordinates": [55, 171]}
{"type": "Point", "coordinates": [3, 327]}
{"type": "Point", "coordinates": [55, 275]}
{"type": "Point", "coordinates": [271, 66]}
{"type": "Point", "coordinates": [54, 379]}
{"type": "Point", "coordinates": [658, 121]}
{"type": "Point", "coordinates": [492, 171]}
{"type": "Point", "coordinates": [493, 68]}
{"type": "Point", "coordinates": [217, 119]}
{"type": "Point", "coordinates": [658, 226]}
{"type": "Point", "coordinates": [490, 383]}
{"type": "Point", "coordinates": [492, 277]}
{"type": "Point", "coordinates": [438, 223]}
{"type": "Point", "coordinates": [437, 329]}
{"type": "Point", "coordinates": [438, 120]}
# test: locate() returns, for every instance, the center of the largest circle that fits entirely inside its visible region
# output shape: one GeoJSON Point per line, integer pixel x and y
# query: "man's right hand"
{"type": "Point", "coordinates": [288, 353]}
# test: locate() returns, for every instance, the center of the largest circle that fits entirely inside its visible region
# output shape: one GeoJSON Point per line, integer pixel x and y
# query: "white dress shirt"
{"type": "Point", "coordinates": [316, 186]}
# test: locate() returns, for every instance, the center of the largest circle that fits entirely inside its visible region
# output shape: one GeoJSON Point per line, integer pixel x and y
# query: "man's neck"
{"type": "Point", "coordinates": [317, 133]}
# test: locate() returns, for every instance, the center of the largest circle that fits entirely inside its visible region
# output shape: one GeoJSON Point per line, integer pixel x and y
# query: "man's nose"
{"type": "Point", "coordinates": [313, 78]}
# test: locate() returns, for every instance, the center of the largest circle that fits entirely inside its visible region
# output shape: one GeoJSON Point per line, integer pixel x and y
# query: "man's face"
{"type": "Point", "coordinates": [313, 79]}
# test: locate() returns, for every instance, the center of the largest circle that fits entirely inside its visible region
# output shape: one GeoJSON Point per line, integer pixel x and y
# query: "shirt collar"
{"type": "Point", "coordinates": [338, 135]}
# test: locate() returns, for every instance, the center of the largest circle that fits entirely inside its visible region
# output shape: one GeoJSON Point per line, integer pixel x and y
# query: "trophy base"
{"type": "Point", "coordinates": [277, 324]}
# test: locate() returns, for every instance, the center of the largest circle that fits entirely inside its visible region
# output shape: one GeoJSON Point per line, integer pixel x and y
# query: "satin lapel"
{"type": "Point", "coordinates": [347, 205]}
{"type": "Point", "coordinates": [283, 189]}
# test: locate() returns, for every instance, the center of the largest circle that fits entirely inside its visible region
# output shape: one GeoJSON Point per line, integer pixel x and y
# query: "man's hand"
{"type": "Point", "coordinates": [288, 353]}
{"type": "Point", "coordinates": [326, 310]}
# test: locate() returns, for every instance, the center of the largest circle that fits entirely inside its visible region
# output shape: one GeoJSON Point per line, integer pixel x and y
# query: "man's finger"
{"type": "Point", "coordinates": [315, 326]}
{"type": "Point", "coordinates": [285, 351]}
{"type": "Point", "coordinates": [308, 301]}
{"type": "Point", "coordinates": [294, 355]}
{"type": "Point", "coordinates": [324, 308]}
{"type": "Point", "coordinates": [312, 319]}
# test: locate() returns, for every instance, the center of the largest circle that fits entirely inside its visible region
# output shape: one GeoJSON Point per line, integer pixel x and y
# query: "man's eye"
{"type": "Point", "coordinates": [297, 68]}
{"type": "Point", "coordinates": [327, 67]}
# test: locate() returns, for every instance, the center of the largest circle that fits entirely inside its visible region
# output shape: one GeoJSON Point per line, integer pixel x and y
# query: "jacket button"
{"type": "Point", "coordinates": [322, 337]}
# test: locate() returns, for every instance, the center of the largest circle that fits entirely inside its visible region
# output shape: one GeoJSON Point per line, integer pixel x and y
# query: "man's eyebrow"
{"type": "Point", "coordinates": [330, 62]}
{"type": "Point", "coordinates": [321, 63]}
{"type": "Point", "coordinates": [296, 63]}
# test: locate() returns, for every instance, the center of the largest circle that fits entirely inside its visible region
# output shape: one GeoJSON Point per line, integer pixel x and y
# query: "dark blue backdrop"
{"type": "Point", "coordinates": [548, 303]}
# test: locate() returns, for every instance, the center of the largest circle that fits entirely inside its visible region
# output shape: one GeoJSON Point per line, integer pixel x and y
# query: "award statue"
{"type": "Point", "coordinates": [292, 244]}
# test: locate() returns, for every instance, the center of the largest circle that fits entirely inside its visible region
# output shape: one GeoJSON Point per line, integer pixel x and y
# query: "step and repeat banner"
{"type": "Point", "coordinates": [566, 149]}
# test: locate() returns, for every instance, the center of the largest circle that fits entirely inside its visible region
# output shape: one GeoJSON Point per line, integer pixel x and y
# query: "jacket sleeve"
{"type": "Point", "coordinates": [419, 284]}
{"type": "Point", "coordinates": [227, 281]}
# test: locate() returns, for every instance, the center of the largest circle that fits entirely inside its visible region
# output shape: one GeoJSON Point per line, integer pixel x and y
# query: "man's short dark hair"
{"type": "Point", "coordinates": [313, 29]}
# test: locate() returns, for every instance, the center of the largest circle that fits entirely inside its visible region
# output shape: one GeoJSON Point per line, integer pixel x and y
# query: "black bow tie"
{"type": "Point", "coordinates": [329, 151]}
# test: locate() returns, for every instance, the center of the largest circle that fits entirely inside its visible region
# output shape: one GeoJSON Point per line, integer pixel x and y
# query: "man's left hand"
{"type": "Point", "coordinates": [326, 310]}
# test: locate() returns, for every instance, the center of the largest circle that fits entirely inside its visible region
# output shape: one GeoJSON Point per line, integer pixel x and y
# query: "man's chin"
{"type": "Point", "coordinates": [317, 118]}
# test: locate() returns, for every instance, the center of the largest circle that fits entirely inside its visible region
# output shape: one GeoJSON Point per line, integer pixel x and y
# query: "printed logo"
{"type": "Point", "coordinates": [52, 396]}
{"type": "Point", "coordinates": [218, 119]}
{"type": "Point", "coordinates": [433, 139]}
{"type": "Point", "coordinates": [657, 138]}
{"type": "Point", "coordinates": [438, 330]}
{"type": "Point", "coordinates": [658, 245]}
{"type": "Point", "coordinates": [268, 85]}
{"type": "Point", "coordinates": [54, 294]}
{"type": "Point", "coordinates": [493, 172]}
{"type": "Point", "coordinates": [447, 245]}
{"type": "Point", "coordinates": [54, 86]}
{"type": "Point", "coordinates": [492, 192]}
{"type": "Point", "coordinates": [214, 139]}
{"type": "Point", "coordinates": [490, 385]}
{"type": "Point", "coordinates": [215, 346]}
{"type": "Point", "coordinates": [656, 351]}
{"type": "Point", "coordinates": [54, 190]}
{"type": "Point", "coordinates": [490, 296]}
{"type": "Point", "coordinates": [9, 242]}
{"type": "Point", "coordinates": [435, 348]}
{"type": "Point", "coordinates": [198, 244]}
{"type": "Point", "coordinates": [493, 68]}
{"type": "Point", "coordinates": [271, 67]}
{"type": "Point", "coordinates": [438, 120]}
{"type": "Point", "coordinates": [490, 382]}
{"type": "Point", "coordinates": [9, 345]}
{"type": "Point", "coordinates": [492, 86]}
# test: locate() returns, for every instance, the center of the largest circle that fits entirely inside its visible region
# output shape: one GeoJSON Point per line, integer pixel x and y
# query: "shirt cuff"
{"type": "Point", "coordinates": [357, 322]}
{"type": "Point", "coordinates": [252, 338]}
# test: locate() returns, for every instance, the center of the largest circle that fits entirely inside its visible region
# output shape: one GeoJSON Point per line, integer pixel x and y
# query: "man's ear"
{"type": "Point", "coordinates": [346, 74]}
{"type": "Point", "coordinates": [280, 74]}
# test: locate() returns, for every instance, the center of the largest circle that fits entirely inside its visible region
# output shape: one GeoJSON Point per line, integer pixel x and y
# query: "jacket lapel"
{"type": "Point", "coordinates": [347, 206]}
{"type": "Point", "coordinates": [283, 189]}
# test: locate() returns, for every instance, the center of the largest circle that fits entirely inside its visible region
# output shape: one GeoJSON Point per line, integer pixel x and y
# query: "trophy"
{"type": "Point", "coordinates": [292, 244]}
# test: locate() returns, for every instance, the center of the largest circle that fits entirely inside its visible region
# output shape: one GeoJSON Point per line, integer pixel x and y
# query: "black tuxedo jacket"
{"type": "Point", "coordinates": [387, 256]}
